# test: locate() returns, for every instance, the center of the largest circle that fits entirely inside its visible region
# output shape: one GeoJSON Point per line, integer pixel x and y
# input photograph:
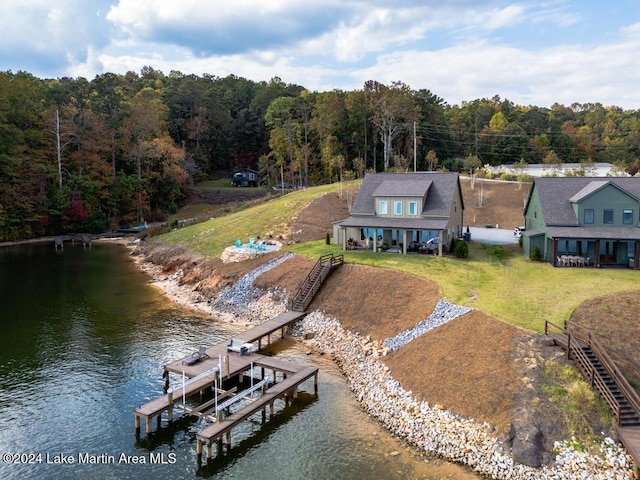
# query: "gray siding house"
{"type": "Point", "coordinates": [595, 219]}
{"type": "Point", "coordinates": [245, 178]}
{"type": "Point", "coordinates": [404, 213]}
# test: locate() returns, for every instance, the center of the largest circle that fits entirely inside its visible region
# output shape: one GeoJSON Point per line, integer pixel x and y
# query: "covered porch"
{"type": "Point", "coordinates": [393, 240]}
{"type": "Point", "coordinates": [407, 240]}
{"type": "Point", "coordinates": [611, 247]}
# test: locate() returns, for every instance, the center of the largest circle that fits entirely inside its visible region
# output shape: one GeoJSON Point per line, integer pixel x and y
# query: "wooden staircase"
{"type": "Point", "coordinates": [312, 283]}
{"type": "Point", "coordinates": [600, 371]}
{"type": "Point", "coordinates": [599, 377]}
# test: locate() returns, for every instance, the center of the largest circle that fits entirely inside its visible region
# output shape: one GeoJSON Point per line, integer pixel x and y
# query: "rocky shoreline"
{"type": "Point", "coordinates": [427, 428]}
{"type": "Point", "coordinates": [436, 431]}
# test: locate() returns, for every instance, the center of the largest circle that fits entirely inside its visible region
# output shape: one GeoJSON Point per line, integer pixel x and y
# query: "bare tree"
{"type": "Point", "coordinates": [472, 163]}
{"type": "Point", "coordinates": [62, 138]}
{"type": "Point", "coordinates": [394, 111]}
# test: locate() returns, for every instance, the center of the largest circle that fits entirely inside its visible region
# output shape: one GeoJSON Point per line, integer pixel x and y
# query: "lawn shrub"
{"type": "Point", "coordinates": [535, 254]}
{"type": "Point", "coordinates": [461, 249]}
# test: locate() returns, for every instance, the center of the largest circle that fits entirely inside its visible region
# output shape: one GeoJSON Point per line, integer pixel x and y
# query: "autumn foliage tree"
{"type": "Point", "coordinates": [127, 148]}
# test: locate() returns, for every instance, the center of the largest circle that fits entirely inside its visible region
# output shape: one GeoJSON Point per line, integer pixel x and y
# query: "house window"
{"type": "Point", "coordinates": [413, 208]}
{"type": "Point", "coordinates": [607, 216]}
{"type": "Point", "coordinates": [383, 207]}
{"type": "Point", "coordinates": [627, 217]}
{"type": "Point", "coordinates": [397, 208]}
{"type": "Point", "coordinates": [588, 215]}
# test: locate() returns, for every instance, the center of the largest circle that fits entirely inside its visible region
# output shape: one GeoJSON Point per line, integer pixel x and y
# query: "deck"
{"type": "Point", "coordinates": [630, 438]}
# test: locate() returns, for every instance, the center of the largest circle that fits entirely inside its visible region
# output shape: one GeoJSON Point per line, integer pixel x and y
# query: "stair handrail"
{"type": "Point", "coordinates": [322, 261]}
{"type": "Point", "coordinates": [318, 279]}
{"type": "Point", "coordinates": [596, 381]}
{"type": "Point", "coordinates": [632, 396]}
{"type": "Point", "coordinates": [623, 384]}
{"type": "Point", "coordinates": [548, 323]}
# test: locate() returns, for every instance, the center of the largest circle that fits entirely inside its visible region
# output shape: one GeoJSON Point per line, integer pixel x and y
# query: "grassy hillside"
{"type": "Point", "coordinates": [274, 218]}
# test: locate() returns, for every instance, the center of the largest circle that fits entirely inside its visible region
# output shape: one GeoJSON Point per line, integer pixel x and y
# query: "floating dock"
{"type": "Point", "coordinates": [214, 368]}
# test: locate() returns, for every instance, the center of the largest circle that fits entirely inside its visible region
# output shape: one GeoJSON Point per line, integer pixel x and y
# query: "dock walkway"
{"type": "Point", "coordinates": [281, 322]}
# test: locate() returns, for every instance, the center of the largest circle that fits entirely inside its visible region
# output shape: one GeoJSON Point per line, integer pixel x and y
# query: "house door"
{"type": "Point", "coordinates": [608, 252]}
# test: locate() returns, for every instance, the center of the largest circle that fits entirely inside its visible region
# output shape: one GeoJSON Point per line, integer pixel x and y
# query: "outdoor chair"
{"type": "Point", "coordinates": [196, 357]}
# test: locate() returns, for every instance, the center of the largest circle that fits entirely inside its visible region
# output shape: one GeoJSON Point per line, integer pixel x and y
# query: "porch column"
{"type": "Point", "coordinates": [404, 242]}
{"type": "Point", "coordinates": [596, 255]}
{"type": "Point", "coordinates": [555, 252]}
{"type": "Point", "coordinates": [636, 251]}
{"type": "Point", "coordinates": [344, 238]}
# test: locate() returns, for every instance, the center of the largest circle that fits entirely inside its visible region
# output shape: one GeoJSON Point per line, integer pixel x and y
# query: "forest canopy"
{"type": "Point", "coordinates": [86, 156]}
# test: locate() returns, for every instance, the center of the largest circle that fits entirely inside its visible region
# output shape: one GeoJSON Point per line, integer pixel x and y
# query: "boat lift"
{"type": "Point", "coordinates": [214, 414]}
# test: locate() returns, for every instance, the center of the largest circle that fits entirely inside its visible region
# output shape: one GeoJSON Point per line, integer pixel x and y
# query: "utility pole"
{"type": "Point", "coordinates": [415, 148]}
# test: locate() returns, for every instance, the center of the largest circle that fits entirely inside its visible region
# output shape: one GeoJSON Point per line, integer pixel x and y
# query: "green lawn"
{"type": "Point", "coordinates": [505, 285]}
{"type": "Point", "coordinates": [220, 184]}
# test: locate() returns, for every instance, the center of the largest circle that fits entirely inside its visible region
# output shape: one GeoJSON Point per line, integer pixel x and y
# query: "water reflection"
{"type": "Point", "coordinates": [84, 339]}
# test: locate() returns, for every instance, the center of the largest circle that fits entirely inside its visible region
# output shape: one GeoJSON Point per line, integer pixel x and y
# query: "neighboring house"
{"type": "Point", "coordinates": [595, 219]}
{"type": "Point", "coordinates": [245, 178]}
{"type": "Point", "coordinates": [404, 212]}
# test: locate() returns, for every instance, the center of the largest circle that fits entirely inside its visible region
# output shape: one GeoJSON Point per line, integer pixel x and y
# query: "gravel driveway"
{"type": "Point", "coordinates": [492, 236]}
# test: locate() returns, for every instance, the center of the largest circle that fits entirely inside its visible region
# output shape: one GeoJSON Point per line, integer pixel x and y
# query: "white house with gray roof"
{"type": "Point", "coordinates": [592, 221]}
{"type": "Point", "coordinates": [404, 213]}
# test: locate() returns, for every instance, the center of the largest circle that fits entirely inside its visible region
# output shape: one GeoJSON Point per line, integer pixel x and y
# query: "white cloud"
{"type": "Point", "coordinates": [529, 51]}
{"type": "Point", "coordinates": [564, 74]}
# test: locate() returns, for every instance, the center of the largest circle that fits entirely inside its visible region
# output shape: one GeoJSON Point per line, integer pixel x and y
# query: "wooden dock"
{"type": "Point", "coordinates": [630, 439]}
{"type": "Point", "coordinates": [281, 322]}
{"type": "Point", "coordinates": [218, 430]}
{"type": "Point", "coordinates": [220, 365]}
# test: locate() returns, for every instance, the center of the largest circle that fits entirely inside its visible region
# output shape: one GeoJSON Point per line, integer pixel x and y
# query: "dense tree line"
{"type": "Point", "coordinates": [85, 156]}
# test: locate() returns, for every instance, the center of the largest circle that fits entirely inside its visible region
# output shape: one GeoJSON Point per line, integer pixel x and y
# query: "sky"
{"type": "Point", "coordinates": [529, 52]}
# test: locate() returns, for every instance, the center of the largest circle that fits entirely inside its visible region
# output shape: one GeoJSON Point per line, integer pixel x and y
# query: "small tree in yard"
{"type": "Point", "coordinates": [328, 239]}
{"type": "Point", "coordinates": [535, 254]}
{"type": "Point", "coordinates": [461, 249]}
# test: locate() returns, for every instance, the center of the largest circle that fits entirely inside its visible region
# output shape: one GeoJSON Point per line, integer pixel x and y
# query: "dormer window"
{"type": "Point", "coordinates": [397, 207]}
{"type": "Point", "coordinates": [588, 215]}
{"type": "Point", "coordinates": [413, 208]}
{"type": "Point", "coordinates": [383, 207]}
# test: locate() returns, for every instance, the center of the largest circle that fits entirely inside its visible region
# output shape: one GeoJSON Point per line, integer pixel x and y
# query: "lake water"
{"type": "Point", "coordinates": [83, 340]}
